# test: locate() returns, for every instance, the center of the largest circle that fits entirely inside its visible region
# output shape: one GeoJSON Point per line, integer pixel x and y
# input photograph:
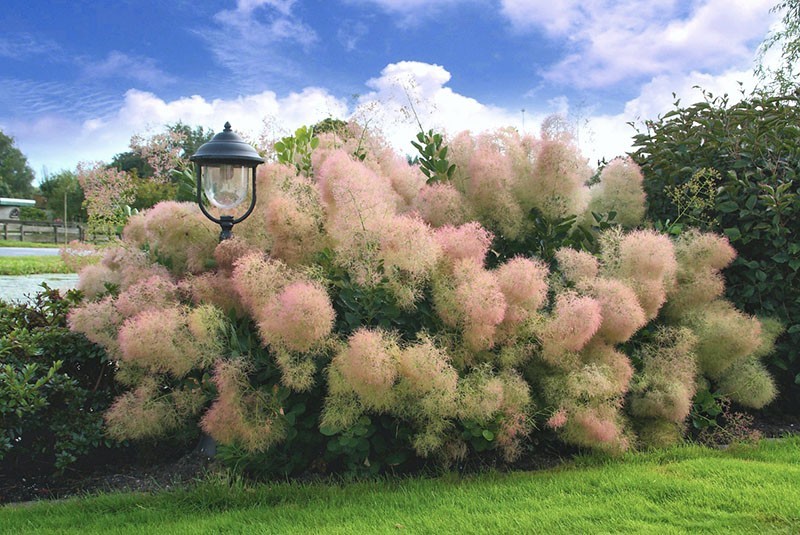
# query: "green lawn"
{"type": "Point", "coordinates": [745, 489]}
{"type": "Point", "coordinates": [37, 245]}
{"type": "Point", "coordinates": [32, 265]}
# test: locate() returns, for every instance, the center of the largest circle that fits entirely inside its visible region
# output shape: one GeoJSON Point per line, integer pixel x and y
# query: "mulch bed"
{"type": "Point", "coordinates": [193, 466]}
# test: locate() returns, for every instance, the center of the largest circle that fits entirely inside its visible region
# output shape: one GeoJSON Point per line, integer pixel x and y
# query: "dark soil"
{"type": "Point", "coordinates": [192, 467]}
{"type": "Point", "coordinates": [189, 468]}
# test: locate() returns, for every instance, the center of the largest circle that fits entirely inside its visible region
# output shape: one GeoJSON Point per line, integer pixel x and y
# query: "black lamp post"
{"type": "Point", "coordinates": [225, 165]}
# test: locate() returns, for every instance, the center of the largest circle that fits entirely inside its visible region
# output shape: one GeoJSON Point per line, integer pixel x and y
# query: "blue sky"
{"type": "Point", "coordinates": [79, 78]}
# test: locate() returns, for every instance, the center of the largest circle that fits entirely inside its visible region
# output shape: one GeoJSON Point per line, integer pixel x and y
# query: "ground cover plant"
{"type": "Point", "coordinates": [744, 489]}
{"type": "Point", "coordinates": [731, 167]}
{"type": "Point", "coordinates": [369, 314]}
{"type": "Point", "coordinates": [32, 265]}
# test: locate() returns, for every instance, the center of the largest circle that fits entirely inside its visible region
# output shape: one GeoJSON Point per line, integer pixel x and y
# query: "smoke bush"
{"type": "Point", "coordinates": [368, 366]}
{"type": "Point", "coordinates": [577, 266]}
{"type": "Point", "coordinates": [524, 286]}
{"type": "Point", "coordinates": [471, 299]}
{"type": "Point", "coordinates": [297, 318]}
{"type": "Point", "coordinates": [99, 321]}
{"type": "Point", "coordinates": [241, 415]}
{"type": "Point", "coordinates": [257, 279]}
{"type": "Point", "coordinates": [469, 241]}
{"type": "Point", "coordinates": [575, 321]}
{"type": "Point", "coordinates": [153, 293]}
{"type": "Point", "coordinates": [441, 204]}
{"type": "Point", "coordinates": [180, 236]}
{"type": "Point", "coordinates": [665, 388]}
{"type": "Point", "coordinates": [393, 315]}
{"type": "Point", "coordinates": [94, 279]}
{"type": "Point", "coordinates": [620, 190]}
{"type": "Point", "coordinates": [646, 261]}
{"type": "Point", "coordinates": [700, 256]}
{"type": "Point", "coordinates": [141, 413]}
{"type": "Point", "coordinates": [724, 334]}
{"type": "Point", "coordinates": [748, 383]}
{"type": "Point", "coordinates": [621, 313]}
{"type": "Point", "coordinates": [558, 179]}
{"type": "Point", "coordinates": [216, 289]}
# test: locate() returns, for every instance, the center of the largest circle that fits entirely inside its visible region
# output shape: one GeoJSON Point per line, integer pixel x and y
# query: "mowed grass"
{"type": "Point", "coordinates": [745, 489]}
{"type": "Point", "coordinates": [32, 265]}
{"type": "Point", "coordinates": [30, 244]}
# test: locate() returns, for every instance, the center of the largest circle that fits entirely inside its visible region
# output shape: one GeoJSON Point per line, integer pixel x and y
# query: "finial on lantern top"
{"type": "Point", "coordinates": [227, 126]}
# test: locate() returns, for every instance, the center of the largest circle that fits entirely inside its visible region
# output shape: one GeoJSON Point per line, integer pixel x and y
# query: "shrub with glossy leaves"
{"type": "Point", "coordinates": [731, 167]}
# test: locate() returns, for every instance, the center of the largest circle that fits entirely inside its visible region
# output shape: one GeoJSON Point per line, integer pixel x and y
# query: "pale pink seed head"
{"type": "Point", "coordinates": [469, 241]}
{"type": "Point", "coordinates": [298, 317]}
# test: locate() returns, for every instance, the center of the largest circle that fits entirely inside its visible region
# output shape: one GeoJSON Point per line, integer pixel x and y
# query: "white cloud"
{"type": "Point", "coordinates": [421, 8]}
{"type": "Point", "coordinates": [23, 46]}
{"type": "Point", "coordinates": [411, 13]}
{"type": "Point", "coordinates": [609, 41]}
{"type": "Point", "coordinates": [283, 6]}
{"type": "Point", "coordinates": [120, 65]}
{"type": "Point", "coordinates": [248, 40]}
{"type": "Point", "coordinates": [56, 142]}
{"type": "Point", "coordinates": [610, 135]}
{"type": "Point", "coordinates": [350, 33]}
{"type": "Point", "coordinates": [437, 106]}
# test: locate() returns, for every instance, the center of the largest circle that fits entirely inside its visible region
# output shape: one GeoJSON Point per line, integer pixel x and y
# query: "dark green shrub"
{"type": "Point", "coordinates": [733, 168]}
{"type": "Point", "coordinates": [54, 387]}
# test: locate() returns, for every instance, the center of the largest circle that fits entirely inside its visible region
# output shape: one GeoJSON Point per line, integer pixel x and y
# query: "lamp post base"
{"type": "Point", "coordinates": [226, 223]}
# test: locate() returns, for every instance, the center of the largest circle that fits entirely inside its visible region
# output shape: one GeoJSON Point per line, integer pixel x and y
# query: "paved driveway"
{"type": "Point", "coordinates": [28, 251]}
{"type": "Point", "coordinates": [20, 287]}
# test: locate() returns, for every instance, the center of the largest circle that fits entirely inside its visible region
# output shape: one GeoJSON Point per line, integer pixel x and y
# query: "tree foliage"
{"type": "Point", "coordinates": [784, 78]}
{"type": "Point", "coordinates": [16, 177]}
{"type": "Point", "coordinates": [747, 153]}
{"type": "Point", "coordinates": [58, 187]}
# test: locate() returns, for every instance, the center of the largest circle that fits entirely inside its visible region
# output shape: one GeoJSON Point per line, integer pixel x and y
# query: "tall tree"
{"type": "Point", "coordinates": [785, 78]}
{"type": "Point", "coordinates": [16, 177]}
{"type": "Point", "coordinates": [60, 188]}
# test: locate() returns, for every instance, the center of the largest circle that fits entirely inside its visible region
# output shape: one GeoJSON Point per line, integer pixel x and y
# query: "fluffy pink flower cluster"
{"type": "Point", "coordinates": [469, 241]}
{"type": "Point", "coordinates": [620, 190]}
{"type": "Point", "coordinates": [471, 299]}
{"type": "Point", "coordinates": [368, 364]}
{"type": "Point", "coordinates": [577, 266]}
{"type": "Point", "coordinates": [155, 292]}
{"type": "Point", "coordinates": [441, 204]}
{"type": "Point", "coordinates": [241, 415]}
{"type": "Point", "coordinates": [701, 257]}
{"type": "Point", "coordinates": [107, 191]}
{"type": "Point", "coordinates": [619, 307]}
{"type": "Point", "coordinates": [297, 317]}
{"type": "Point", "coordinates": [171, 340]}
{"type": "Point", "coordinates": [575, 320]}
{"type": "Point", "coordinates": [179, 236]}
{"type": "Point", "coordinates": [523, 283]}
{"type": "Point", "coordinates": [293, 313]}
{"type": "Point", "coordinates": [645, 260]}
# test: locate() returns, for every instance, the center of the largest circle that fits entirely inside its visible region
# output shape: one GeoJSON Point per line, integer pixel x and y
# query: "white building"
{"type": "Point", "coordinates": [9, 208]}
